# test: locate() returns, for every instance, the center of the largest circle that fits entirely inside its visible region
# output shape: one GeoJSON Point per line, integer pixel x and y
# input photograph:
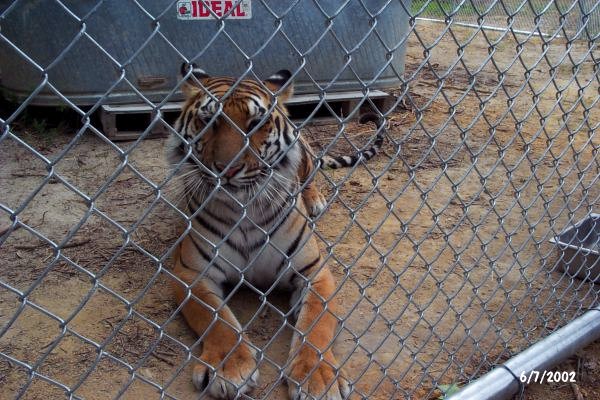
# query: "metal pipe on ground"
{"type": "Point", "coordinates": [503, 381]}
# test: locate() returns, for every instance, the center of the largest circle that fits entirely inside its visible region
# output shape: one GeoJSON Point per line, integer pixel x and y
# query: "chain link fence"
{"type": "Point", "coordinates": [441, 246]}
{"type": "Point", "coordinates": [571, 19]}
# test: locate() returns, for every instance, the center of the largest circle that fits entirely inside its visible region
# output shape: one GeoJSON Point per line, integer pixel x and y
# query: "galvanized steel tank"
{"type": "Point", "coordinates": [90, 49]}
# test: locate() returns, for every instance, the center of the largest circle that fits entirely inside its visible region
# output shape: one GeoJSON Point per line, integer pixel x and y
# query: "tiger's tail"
{"type": "Point", "coordinates": [335, 162]}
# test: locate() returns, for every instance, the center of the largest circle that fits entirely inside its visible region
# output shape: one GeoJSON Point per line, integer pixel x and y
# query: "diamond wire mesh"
{"type": "Point", "coordinates": [539, 16]}
{"type": "Point", "coordinates": [439, 246]}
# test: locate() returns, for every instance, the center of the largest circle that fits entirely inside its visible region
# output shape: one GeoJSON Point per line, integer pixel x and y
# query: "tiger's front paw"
{"type": "Point", "coordinates": [309, 378]}
{"type": "Point", "coordinates": [315, 202]}
{"type": "Point", "coordinates": [226, 374]}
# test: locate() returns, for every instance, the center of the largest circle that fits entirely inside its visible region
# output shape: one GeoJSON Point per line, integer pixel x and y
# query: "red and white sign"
{"type": "Point", "coordinates": [211, 9]}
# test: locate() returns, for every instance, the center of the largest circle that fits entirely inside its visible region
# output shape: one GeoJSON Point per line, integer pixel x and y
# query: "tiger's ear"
{"type": "Point", "coordinates": [190, 86]}
{"type": "Point", "coordinates": [278, 80]}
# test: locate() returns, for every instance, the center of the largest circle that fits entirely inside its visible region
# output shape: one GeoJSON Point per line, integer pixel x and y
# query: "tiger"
{"type": "Point", "coordinates": [250, 193]}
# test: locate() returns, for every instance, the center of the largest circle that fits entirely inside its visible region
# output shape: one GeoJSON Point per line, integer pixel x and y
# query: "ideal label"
{"type": "Point", "coordinates": [201, 9]}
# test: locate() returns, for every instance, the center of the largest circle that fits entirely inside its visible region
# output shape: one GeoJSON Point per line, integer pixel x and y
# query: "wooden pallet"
{"type": "Point", "coordinates": [129, 121]}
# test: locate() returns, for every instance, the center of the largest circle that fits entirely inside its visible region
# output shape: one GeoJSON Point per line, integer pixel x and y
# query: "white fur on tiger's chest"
{"type": "Point", "coordinates": [250, 251]}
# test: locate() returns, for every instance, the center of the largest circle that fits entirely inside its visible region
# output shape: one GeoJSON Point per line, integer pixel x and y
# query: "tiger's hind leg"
{"type": "Point", "coordinates": [228, 362]}
{"type": "Point", "coordinates": [313, 370]}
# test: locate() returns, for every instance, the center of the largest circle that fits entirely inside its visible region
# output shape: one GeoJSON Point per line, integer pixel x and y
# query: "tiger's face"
{"type": "Point", "coordinates": [235, 135]}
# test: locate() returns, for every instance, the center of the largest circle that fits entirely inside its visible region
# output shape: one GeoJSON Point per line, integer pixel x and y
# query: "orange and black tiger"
{"type": "Point", "coordinates": [248, 185]}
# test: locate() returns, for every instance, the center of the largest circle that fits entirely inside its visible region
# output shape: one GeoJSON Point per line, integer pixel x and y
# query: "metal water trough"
{"type": "Point", "coordinates": [579, 248]}
{"type": "Point", "coordinates": [107, 51]}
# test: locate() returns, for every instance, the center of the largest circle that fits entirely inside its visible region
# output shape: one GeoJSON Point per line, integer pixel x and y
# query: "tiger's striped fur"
{"type": "Point", "coordinates": [248, 195]}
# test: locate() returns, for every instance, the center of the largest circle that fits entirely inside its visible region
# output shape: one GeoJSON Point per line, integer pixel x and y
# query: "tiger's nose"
{"type": "Point", "coordinates": [231, 171]}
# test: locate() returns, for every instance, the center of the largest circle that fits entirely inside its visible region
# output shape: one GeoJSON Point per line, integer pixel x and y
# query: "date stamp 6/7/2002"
{"type": "Point", "coordinates": [547, 377]}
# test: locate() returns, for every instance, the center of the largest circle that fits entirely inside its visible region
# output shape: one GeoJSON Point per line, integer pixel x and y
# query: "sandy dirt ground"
{"type": "Point", "coordinates": [586, 365]}
{"type": "Point", "coordinates": [440, 244]}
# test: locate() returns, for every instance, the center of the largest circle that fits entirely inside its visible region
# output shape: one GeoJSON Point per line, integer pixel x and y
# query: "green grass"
{"type": "Point", "coordinates": [43, 125]}
{"type": "Point", "coordinates": [44, 131]}
{"type": "Point", "coordinates": [448, 390]}
{"type": "Point", "coordinates": [438, 8]}
{"type": "Point", "coordinates": [441, 8]}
